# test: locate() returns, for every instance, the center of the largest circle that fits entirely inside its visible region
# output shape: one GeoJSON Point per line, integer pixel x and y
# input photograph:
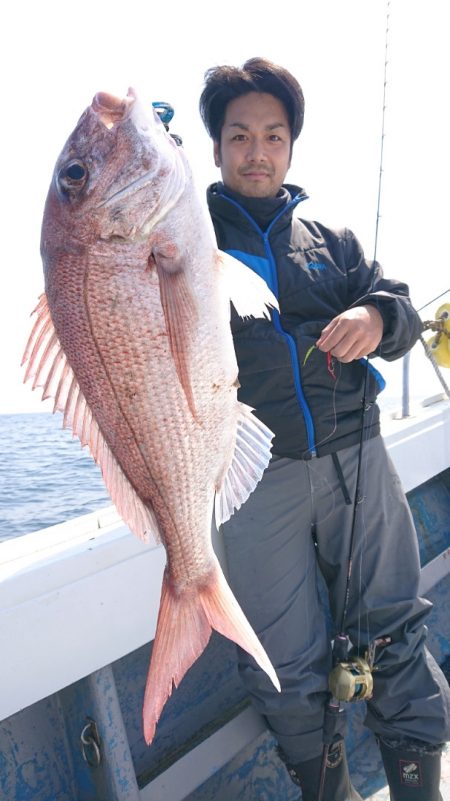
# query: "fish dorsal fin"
{"type": "Point", "coordinates": [48, 367]}
{"type": "Point", "coordinates": [250, 459]}
{"type": "Point", "coordinates": [248, 292]}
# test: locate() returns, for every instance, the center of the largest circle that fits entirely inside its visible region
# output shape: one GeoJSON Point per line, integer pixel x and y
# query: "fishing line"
{"type": "Point", "coordinates": [383, 129]}
{"type": "Point", "coordinates": [366, 371]}
{"type": "Point", "coordinates": [446, 291]}
{"type": "Point", "coordinates": [324, 439]}
{"type": "Point", "coordinates": [365, 407]}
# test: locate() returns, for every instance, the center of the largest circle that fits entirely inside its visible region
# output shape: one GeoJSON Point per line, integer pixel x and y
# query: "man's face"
{"type": "Point", "coordinates": [254, 152]}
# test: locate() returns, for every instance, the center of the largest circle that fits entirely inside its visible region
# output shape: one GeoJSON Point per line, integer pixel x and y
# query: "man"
{"type": "Point", "coordinates": [330, 493]}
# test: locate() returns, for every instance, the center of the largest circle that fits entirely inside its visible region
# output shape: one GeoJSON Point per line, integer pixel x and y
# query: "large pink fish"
{"type": "Point", "coordinates": [133, 341]}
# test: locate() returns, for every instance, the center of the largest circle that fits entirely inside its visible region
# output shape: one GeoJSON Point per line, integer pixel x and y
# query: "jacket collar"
{"type": "Point", "coordinates": [225, 203]}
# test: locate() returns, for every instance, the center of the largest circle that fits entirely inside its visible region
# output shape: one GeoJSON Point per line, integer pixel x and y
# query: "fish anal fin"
{"type": "Point", "coordinates": [181, 317]}
{"type": "Point", "coordinates": [185, 622]}
{"type": "Point", "coordinates": [47, 366]}
{"type": "Point", "coordinates": [250, 458]}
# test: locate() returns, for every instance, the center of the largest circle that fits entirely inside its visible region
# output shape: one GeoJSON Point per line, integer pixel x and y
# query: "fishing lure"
{"type": "Point", "coordinates": [330, 361]}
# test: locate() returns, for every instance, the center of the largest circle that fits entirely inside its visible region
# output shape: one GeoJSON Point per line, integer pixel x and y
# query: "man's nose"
{"type": "Point", "coordinates": [256, 150]}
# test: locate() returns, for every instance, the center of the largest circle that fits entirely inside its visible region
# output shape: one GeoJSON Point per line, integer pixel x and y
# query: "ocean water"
{"type": "Point", "coordinates": [46, 477]}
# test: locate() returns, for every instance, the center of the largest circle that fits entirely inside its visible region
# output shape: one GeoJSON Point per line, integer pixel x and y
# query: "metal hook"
{"type": "Point", "coordinates": [91, 744]}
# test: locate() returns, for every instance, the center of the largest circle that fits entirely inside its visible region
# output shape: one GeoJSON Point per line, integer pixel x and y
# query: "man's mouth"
{"type": "Point", "coordinates": [256, 174]}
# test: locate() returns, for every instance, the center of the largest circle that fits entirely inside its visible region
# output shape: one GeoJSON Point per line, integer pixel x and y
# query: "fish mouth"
{"type": "Point", "coordinates": [112, 110]}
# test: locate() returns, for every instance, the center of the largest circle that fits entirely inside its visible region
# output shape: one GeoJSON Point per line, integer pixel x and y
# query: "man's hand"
{"type": "Point", "coordinates": [352, 334]}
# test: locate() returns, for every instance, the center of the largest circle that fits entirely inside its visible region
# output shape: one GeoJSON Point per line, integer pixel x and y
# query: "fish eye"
{"type": "Point", "coordinates": [72, 176]}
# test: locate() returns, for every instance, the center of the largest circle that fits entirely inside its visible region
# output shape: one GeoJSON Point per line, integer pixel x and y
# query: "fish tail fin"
{"type": "Point", "coordinates": [185, 622]}
{"type": "Point", "coordinates": [226, 616]}
{"type": "Point", "coordinates": [182, 633]}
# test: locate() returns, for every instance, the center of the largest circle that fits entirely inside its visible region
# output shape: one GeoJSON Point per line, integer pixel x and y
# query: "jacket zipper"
{"type": "Point", "coordinates": [310, 433]}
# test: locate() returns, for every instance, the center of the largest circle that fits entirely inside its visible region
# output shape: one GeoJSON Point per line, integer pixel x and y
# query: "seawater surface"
{"type": "Point", "coordinates": [46, 477]}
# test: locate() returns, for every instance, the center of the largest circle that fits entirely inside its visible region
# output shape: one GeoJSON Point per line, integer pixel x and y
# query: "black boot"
{"type": "Point", "coordinates": [413, 770]}
{"type": "Point", "coordinates": [337, 786]}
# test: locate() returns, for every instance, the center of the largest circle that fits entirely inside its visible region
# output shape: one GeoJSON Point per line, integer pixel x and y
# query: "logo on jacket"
{"type": "Point", "coordinates": [299, 257]}
{"type": "Point", "coordinates": [410, 773]}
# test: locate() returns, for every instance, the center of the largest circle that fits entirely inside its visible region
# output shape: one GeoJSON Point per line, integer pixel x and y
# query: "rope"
{"type": "Point", "coordinates": [435, 367]}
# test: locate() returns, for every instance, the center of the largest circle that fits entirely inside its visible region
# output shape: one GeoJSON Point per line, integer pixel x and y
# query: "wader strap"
{"type": "Point", "coordinates": [341, 478]}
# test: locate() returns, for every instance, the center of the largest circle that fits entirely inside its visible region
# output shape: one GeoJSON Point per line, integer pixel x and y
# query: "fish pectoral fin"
{"type": "Point", "coordinates": [47, 365]}
{"type": "Point", "coordinates": [248, 292]}
{"type": "Point", "coordinates": [185, 622]}
{"type": "Point", "coordinates": [250, 459]}
{"type": "Point", "coordinates": [180, 314]}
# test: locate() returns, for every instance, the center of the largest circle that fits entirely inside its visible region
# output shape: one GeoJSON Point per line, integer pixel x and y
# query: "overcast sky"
{"type": "Point", "coordinates": [56, 56]}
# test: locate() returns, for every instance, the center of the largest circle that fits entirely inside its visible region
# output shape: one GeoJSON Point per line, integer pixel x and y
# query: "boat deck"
{"type": "Point", "coordinates": [255, 773]}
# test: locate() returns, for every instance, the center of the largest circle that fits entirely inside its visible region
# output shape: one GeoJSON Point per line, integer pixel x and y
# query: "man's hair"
{"type": "Point", "coordinates": [225, 83]}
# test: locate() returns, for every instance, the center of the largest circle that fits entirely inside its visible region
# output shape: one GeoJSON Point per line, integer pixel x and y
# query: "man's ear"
{"type": "Point", "coordinates": [217, 159]}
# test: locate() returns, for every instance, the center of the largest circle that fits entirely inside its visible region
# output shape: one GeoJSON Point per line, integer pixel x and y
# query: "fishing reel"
{"type": "Point", "coordinates": [351, 680]}
{"type": "Point", "coordinates": [439, 344]}
{"type": "Point", "coordinates": [351, 677]}
{"type": "Point", "coordinates": [165, 113]}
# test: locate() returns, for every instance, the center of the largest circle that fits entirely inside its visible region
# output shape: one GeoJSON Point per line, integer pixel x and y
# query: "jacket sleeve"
{"type": "Point", "coordinates": [402, 325]}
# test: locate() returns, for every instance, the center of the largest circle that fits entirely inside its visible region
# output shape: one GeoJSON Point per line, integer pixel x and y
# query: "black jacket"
{"type": "Point", "coordinates": [313, 403]}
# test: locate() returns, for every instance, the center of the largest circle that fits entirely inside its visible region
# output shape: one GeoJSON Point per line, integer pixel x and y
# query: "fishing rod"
{"type": "Point", "coordinates": [351, 676]}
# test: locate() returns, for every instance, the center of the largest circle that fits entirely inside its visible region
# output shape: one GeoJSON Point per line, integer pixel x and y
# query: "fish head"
{"type": "Point", "coordinates": [118, 175]}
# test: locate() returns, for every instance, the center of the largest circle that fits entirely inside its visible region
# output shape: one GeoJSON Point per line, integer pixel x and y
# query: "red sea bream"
{"type": "Point", "coordinates": [132, 340]}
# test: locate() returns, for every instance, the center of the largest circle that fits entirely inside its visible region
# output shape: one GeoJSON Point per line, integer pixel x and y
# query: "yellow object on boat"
{"type": "Point", "coordinates": [439, 344]}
